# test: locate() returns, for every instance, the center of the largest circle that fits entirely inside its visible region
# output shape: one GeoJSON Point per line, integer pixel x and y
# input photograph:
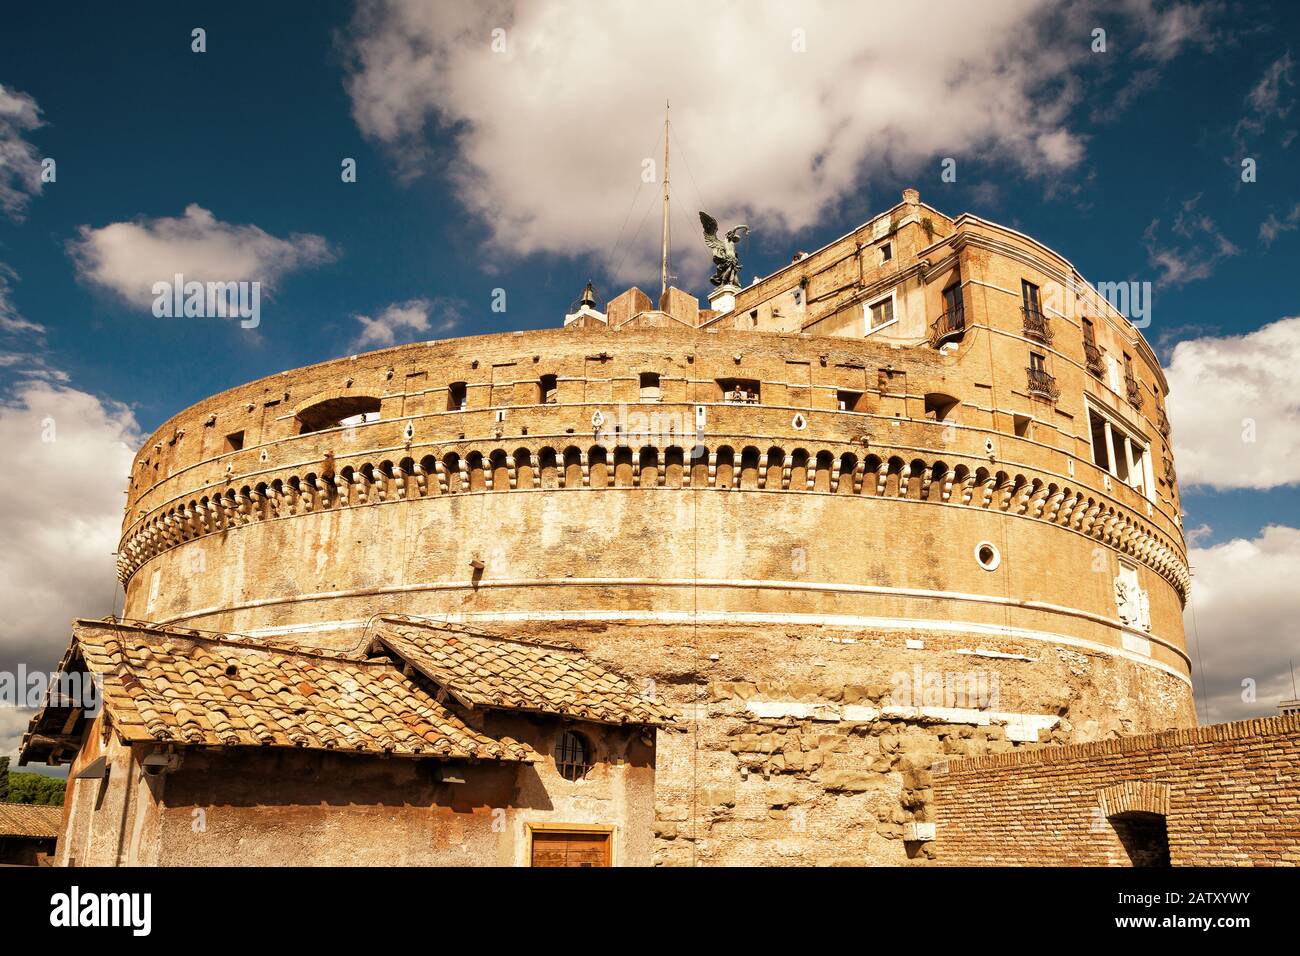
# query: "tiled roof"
{"type": "Point", "coordinates": [165, 685]}
{"type": "Point", "coordinates": [29, 820]}
{"type": "Point", "coordinates": [487, 670]}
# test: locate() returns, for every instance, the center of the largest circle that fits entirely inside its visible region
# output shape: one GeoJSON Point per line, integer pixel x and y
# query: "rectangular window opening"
{"type": "Point", "coordinates": [848, 401]}
{"type": "Point", "coordinates": [650, 391]}
{"type": "Point", "coordinates": [879, 314]}
{"type": "Point", "coordinates": [738, 391]}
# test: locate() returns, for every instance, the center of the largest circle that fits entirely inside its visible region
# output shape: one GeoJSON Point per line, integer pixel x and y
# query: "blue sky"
{"type": "Point", "coordinates": [1127, 161]}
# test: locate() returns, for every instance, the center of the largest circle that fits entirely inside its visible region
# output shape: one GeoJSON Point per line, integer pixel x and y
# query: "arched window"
{"type": "Point", "coordinates": [940, 407]}
{"type": "Point", "coordinates": [572, 755]}
{"type": "Point", "coordinates": [333, 412]}
{"type": "Point", "coordinates": [1144, 837]}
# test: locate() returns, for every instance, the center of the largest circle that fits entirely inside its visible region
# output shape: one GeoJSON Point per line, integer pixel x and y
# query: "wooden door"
{"type": "Point", "coordinates": [570, 848]}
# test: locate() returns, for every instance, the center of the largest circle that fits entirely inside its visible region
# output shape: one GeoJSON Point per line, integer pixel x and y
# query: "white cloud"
{"type": "Point", "coordinates": [61, 514]}
{"type": "Point", "coordinates": [1243, 616]}
{"type": "Point", "coordinates": [1169, 29]}
{"type": "Point", "coordinates": [1267, 97]}
{"type": "Point", "coordinates": [129, 257]}
{"type": "Point", "coordinates": [550, 135]}
{"type": "Point", "coordinates": [1194, 249]}
{"type": "Point", "coordinates": [409, 321]}
{"type": "Point", "coordinates": [20, 162]}
{"type": "Point", "coordinates": [1272, 226]}
{"type": "Point", "coordinates": [1234, 404]}
{"type": "Point", "coordinates": [1267, 102]}
{"type": "Point", "coordinates": [10, 320]}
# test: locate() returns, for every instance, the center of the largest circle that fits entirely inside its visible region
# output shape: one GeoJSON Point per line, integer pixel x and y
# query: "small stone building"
{"type": "Point", "coordinates": [425, 745]}
{"type": "Point", "coordinates": [27, 833]}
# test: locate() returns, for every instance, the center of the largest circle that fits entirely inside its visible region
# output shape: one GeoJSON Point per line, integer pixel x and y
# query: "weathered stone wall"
{"type": "Point", "coordinates": [1227, 792]}
{"type": "Point", "coordinates": [812, 548]}
{"type": "Point", "coordinates": [243, 806]}
{"type": "Point", "coordinates": [816, 762]}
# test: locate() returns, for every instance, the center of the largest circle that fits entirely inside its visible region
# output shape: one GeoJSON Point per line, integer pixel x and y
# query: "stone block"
{"type": "Point", "coordinates": [851, 781]}
{"type": "Point", "coordinates": [717, 796]}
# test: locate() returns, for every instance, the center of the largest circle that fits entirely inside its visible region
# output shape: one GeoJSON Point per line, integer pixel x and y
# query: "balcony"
{"type": "Point", "coordinates": [1133, 392]}
{"type": "Point", "coordinates": [1042, 385]}
{"type": "Point", "coordinates": [948, 327]}
{"type": "Point", "coordinates": [1037, 326]}
{"type": "Point", "coordinates": [1095, 358]}
{"type": "Point", "coordinates": [1162, 422]}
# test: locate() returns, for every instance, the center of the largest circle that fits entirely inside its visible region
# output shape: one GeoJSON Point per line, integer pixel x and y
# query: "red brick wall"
{"type": "Point", "coordinates": [1230, 794]}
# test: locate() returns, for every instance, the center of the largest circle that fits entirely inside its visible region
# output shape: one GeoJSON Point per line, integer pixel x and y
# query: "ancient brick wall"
{"type": "Point", "coordinates": [1229, 795]}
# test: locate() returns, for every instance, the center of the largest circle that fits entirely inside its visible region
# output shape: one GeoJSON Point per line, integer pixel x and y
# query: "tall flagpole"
{"type": "Point", "coordinates": [663, 265]}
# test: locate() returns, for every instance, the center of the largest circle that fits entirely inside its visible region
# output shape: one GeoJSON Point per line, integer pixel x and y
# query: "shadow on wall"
{"type": "Point", "coordinates": [1145, 838]}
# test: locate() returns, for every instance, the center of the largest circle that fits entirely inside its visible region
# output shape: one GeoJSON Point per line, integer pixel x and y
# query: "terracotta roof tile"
{"type": "Point", "coordinates": [487, 670]}
{"type": "Point", "coordinates": [29, 820]}
{"type": "Point", "coordinates": [167, 687]}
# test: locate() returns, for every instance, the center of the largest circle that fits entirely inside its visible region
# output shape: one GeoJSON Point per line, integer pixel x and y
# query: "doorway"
{"type": "Point", "coordinates": [571, 848]}
{"type": "Point", "coordinates": [1144, 836]}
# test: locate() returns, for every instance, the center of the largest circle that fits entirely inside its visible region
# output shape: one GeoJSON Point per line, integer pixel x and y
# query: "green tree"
{"type": "Point", "coordinates": [35, 788]}
{"type": "Point", "coordinates": [4, 779]}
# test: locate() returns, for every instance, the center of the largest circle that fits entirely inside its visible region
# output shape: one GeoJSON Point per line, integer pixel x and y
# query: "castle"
{"type": "Point", "coordinates": [909, 499]}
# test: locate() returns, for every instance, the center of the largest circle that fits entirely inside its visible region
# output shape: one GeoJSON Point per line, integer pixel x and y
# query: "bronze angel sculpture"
{"type": "Point", "coordinates": [724, 250]}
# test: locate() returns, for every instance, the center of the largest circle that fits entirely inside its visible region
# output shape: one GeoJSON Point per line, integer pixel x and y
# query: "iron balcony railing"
{"type": "Point", "coordinates": [1037, 326]}
{"type": "Point", "coordinates": [1162, 422]}
{"type": "Point", "coordinates": [1133, 391]}
{"type": "Point", "coordinates": [1095, 358]}
{"type": "Point", "coordinates": [948, 326]}
{"type": "Point", "coordinates": [1042, 385]}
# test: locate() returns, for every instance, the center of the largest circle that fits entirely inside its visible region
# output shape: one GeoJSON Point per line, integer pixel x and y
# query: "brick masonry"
{"type": "Point", "coordinates": [1230, 795]}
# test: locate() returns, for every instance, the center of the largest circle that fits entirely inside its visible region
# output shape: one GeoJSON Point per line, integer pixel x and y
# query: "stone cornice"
{"type": "Point", "coordinates": [809, 468]}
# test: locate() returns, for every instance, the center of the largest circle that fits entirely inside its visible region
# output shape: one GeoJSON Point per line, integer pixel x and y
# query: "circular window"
{"type": "Point", "coordinates": [986, 553]}
{"type": "Point", "coordinates": [572, 756]}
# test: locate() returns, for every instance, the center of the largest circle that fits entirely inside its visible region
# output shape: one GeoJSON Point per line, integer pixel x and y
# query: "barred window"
{"type": "Point", "coordinates": [572, 756]}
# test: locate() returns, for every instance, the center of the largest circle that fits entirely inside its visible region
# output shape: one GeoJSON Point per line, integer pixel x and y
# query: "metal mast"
{"type": "Point", "coordinates": [663, 263]}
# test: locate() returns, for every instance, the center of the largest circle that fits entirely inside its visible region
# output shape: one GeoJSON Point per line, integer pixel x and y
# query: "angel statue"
{"type": "Point", "coordinates": [724, 250]}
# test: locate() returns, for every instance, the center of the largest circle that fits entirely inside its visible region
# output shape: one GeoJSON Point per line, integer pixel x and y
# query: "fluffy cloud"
{"type": "Point", "coordinates": [1243, 613]}
{"type": "Point", "coordinates": [69, 453]}
{"type": "Point", "coordinates": [408, 322]}
{"type": "Point", "coordinates": [1234, 403]}
{"type": "Point", "coordinates": [129, 257]}
{"type": "Point", "coordinates": [550, 133]}
{"type": "Point", "coordinates": [20, 163]}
